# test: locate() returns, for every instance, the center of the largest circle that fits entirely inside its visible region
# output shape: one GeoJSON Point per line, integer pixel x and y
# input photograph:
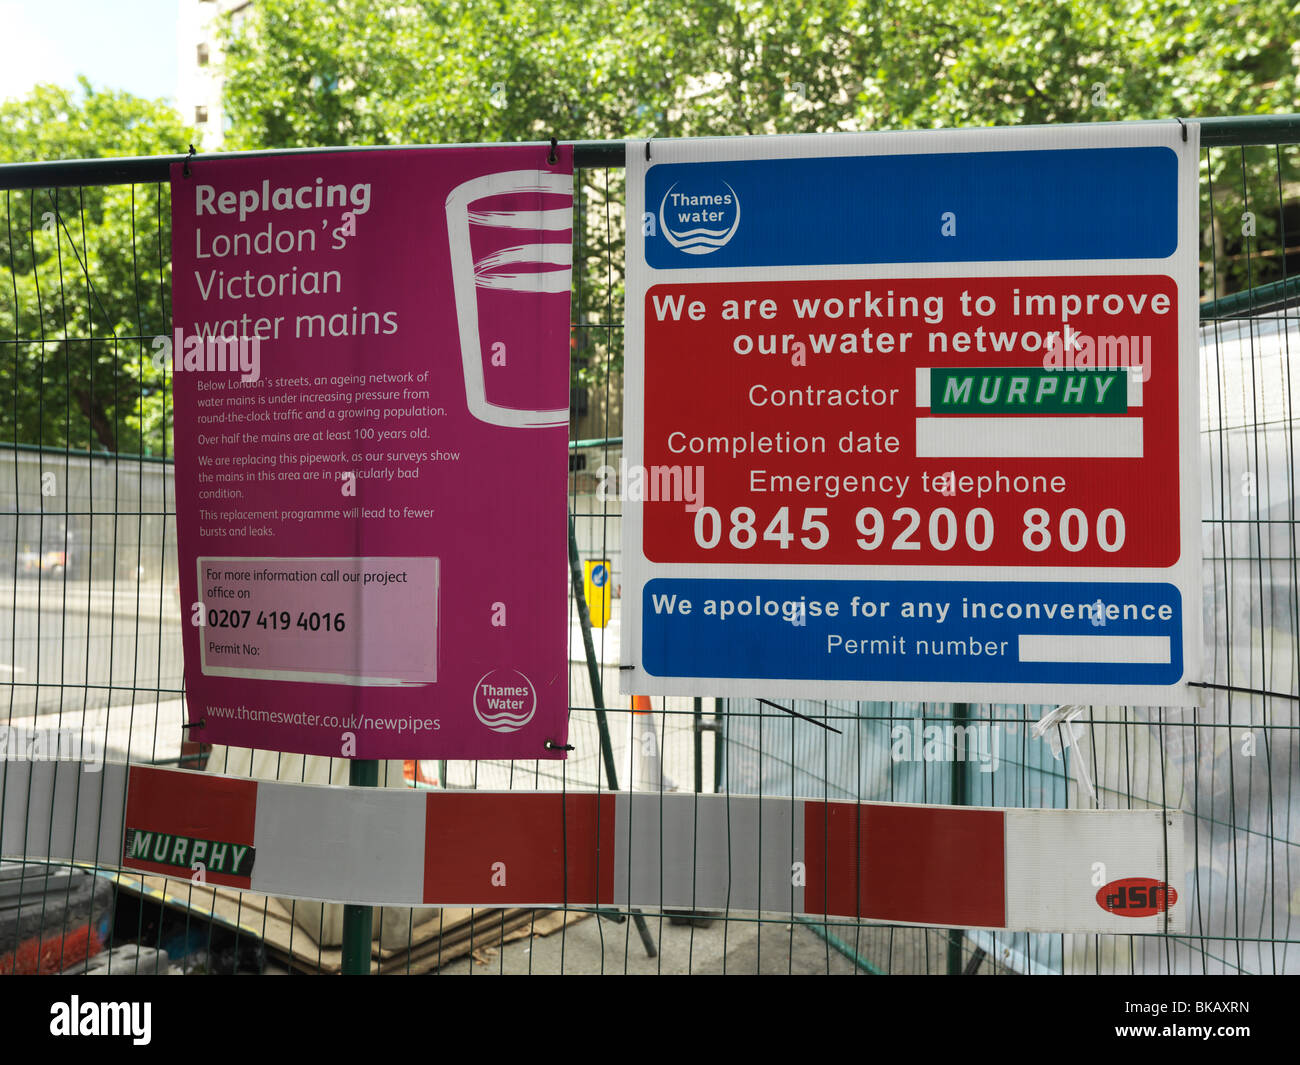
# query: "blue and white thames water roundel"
{"type": "Point", "coordinates": [699, 220]}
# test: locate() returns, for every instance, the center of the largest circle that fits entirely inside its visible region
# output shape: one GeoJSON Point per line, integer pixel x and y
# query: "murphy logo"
{"type": "Point", "coordinates": [1030, 390]}
{"type": "Point", "coordinates": [183, 852]}
{"type": "Point", "coordinates": [702, 220]}
{"type": "Point", "coordinates": [1136, 896]}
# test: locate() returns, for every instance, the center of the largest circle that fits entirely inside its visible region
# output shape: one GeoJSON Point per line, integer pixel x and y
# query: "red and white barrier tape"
{"type": "Point", "coordinates": [961, 867]}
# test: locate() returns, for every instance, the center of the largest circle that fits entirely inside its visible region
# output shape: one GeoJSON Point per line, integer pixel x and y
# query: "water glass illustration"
{"type": "Point", "coordinates": [500, 253]}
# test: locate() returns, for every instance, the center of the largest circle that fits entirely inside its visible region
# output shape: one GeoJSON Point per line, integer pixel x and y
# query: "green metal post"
{"type": "Point", "coordinates": [358, 921]}
{"type": "Point", "coordinates": [719, 738]}
{"type": "Point", "coordinates": [698, 729]}
{"type": "Point", "coordinates": [960, 715]}
{"type": "Point", "coordinates": [598, 701]}
{"type": "Point", "coordinates": [593, 666]}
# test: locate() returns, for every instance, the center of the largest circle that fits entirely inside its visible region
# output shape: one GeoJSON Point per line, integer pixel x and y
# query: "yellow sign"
{"type": "Point", "coordinates": [596, 587]}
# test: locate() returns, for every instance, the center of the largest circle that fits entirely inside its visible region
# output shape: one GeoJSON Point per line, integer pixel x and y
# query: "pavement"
{"type": "Point", "coordinates": [743, 944]}
{"type": "Point", "coordinates": [598, 945]}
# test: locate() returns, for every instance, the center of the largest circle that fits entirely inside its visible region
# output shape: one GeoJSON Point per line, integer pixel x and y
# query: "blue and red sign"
{"type": "Point", "coordinates": [943, 371]}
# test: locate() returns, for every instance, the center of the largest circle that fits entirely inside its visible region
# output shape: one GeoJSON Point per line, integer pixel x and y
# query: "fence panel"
{"type": "Point", "coordinates": [90, 635]}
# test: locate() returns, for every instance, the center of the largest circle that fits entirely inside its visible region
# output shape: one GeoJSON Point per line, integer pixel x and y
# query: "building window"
{"type": "Point", "coordinates": [200, 115]}
{"type": "Point", "coordinates": [203, 55]}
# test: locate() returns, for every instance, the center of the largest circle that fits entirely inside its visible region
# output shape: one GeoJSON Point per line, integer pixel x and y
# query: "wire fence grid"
{"type": "Point", "coordinates": [90, 633]}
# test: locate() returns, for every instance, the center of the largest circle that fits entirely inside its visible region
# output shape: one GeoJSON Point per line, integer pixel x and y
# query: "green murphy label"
{"type": "Point", "coordinates": [183, 852]}
{"type": "Point", "coordinates": [1027, 390]}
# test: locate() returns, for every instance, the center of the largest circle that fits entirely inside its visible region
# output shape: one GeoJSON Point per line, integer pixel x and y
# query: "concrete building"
{"type": "Point", "coordinates": [199, 81]}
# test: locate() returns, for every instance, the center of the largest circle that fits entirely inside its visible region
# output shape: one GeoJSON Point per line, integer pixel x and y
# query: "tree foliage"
{"type": "Point", "coordinates": [320, 72]}
{"type": "Point", "coordinates": [84, 272]}
{"type": "Point", "coordinates": [84, 275]}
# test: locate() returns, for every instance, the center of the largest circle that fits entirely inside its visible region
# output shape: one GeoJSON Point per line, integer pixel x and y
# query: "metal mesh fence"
{"type": "Point", "coordinates": [90, 633]}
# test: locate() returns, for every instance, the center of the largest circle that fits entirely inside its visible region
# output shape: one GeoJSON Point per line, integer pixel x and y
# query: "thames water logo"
{"type": "Point", "coordinates": [504, 700]}
{"type": "Point", "coordinates": [700, 222]}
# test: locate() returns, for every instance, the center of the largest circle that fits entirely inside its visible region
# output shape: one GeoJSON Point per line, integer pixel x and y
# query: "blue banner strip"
{"type": "Point", "coordinates": [1081, 203]}
{"type": "Point", "coordinates": [904, 630]}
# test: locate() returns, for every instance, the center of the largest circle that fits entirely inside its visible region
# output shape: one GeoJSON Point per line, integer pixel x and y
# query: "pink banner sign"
{"type": "Point", "coordinates": [370, 366]}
